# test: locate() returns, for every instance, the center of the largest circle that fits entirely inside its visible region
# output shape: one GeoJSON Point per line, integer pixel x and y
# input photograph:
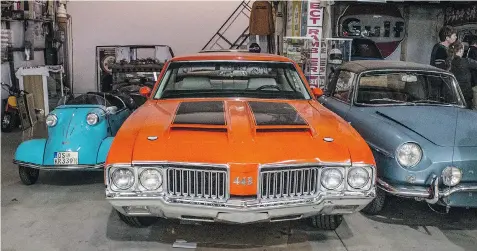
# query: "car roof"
{"type": "Point", "coordinates": [232, 56]}
{"type": "Point", "coordinates": [370, 65]}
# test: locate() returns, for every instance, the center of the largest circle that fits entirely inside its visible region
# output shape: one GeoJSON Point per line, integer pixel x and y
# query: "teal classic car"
{"type": "Point", "coordinates": [413, 117]}
{"type": "Point", "coordinates": [80, 132]}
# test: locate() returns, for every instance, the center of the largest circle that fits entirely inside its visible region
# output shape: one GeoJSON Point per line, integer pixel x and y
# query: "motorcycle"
{"type": "Point", "coordinates": [11, 115]}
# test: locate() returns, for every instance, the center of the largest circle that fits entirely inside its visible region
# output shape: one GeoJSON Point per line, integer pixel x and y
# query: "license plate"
{"type": "Point", "coordinates": [65, 158]}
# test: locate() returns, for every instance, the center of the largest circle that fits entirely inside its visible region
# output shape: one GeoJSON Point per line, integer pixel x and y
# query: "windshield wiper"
{"type": "Point", "coordinates": [428, 101]}
{"type": "Point", "coordinates": [387, 100]}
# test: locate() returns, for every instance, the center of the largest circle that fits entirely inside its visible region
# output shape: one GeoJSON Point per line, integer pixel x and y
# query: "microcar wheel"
{"type": "Point", "coordinates": [136, 221]}
{"type": "Point", "coordinates": [326, 222]}
{"type": "Point", "coordinates": [375, 206]}
{"type": "Point", "coordinates": [28, 175]}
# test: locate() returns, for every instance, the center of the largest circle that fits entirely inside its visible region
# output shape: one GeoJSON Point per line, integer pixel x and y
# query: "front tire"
{"type": "Point", "coordinates": [326, 222]}
{"type": "Point", "coordinates": [28, 175]}
{"type": "Point", "coordinates": [136, 221]}
{"type": "Point", "coordinates": [376, 205]}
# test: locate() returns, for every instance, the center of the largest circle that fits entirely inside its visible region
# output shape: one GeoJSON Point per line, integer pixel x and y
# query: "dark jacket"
{"type": "Point", "coordinates": [261, 19]}
{"type": "Point", "coordinates": [472, 54]}
{"type": "Point", "coordinates": [461, 68]}
{"type": "Point", "coordinates": [439, 57]}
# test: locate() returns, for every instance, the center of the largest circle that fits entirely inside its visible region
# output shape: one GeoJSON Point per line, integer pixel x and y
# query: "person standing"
{"type": "Point", "coordinates": [472, 54]}
{"type": "Point", "coordinates": [461, 68]}
{"type": "Point", "coordinates": [439, 55]}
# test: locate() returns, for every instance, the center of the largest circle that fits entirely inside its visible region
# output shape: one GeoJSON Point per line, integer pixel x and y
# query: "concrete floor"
{"type": "Point", "coordinates": [67, 211]}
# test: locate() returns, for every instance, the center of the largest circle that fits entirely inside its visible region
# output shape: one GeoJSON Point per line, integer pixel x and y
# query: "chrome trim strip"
{"type": "Point", "coordinates": [380, 150]}
{"type": "Point", "coordinates": [59, 167]}
{"type": "Point", "coordinates": [431, 196]}
{"type": "Point", "coordinates": [449, 191]}
{"type": "Point", "coordinates": [144, 163]}
{"type": "Point", "coordinates": [403, 192]}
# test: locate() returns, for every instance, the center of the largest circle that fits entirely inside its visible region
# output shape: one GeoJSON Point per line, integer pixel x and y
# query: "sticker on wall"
{"type": "Point", "coordinates": [381, 23]}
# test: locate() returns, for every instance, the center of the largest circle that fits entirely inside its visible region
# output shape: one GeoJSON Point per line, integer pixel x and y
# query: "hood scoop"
{"type": "Point", "coordinates": [200, 116]}
{"type": "Point", "coordinates": [277, 117]}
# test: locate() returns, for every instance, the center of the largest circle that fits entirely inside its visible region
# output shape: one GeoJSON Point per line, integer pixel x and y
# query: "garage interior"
{"type": "Point", "coordinates": [55, 49]}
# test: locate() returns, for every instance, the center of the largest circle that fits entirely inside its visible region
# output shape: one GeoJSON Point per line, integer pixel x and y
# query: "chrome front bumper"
{"type": "Point", "coordinates": [432, 194]}
{"type": "Point", "coordinates": [98, 167]}
{"type": "Point", "coordinates": [239, 210]}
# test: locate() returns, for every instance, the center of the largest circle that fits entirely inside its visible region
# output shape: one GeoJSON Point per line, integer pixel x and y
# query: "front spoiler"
{"type": "Point", "coordinates": [238, 210]}
{"type": "Point", "coordinates": [97, 167]}
{"type": "Point", "coordinates": [431, 195]}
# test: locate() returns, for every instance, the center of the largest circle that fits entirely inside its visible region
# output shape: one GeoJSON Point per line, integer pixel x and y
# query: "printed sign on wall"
{"type": "Point", "coordinates": [315, 31]}
{"type": "Point", "coordinates": [296, 18]}
{"type": "Point", "coordinates": [383, 24]}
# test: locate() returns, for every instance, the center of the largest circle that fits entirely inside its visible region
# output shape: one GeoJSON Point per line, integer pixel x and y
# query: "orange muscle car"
{"type": "Point", "coordinates": [237, 137]}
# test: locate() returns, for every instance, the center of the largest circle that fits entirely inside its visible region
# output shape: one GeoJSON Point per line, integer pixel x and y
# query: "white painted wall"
{"type": "Point", "coordinates": [185, 26]}
{"type": "Point", "coordinates": [423, 33]}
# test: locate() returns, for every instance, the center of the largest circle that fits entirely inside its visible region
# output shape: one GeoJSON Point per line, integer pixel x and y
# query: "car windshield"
{"type": "Point", "coordinates": [84, 99]}
{"type": "Point", "coordinates": [407, 88]}
{"type": "Point", "coordinates": [232, 79]}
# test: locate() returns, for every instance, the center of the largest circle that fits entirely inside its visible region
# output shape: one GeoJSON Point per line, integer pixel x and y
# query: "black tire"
{"type": "Point", "coordinates": [136, 221]}
{"type": "Point", "coordinates": [376, 205]}
{"type": "Point", "coordinates": [326, 222]}
{"type": "Point", "coordinates": [8, 122]}
{"type": "Point", "coordinates": [28, 175]}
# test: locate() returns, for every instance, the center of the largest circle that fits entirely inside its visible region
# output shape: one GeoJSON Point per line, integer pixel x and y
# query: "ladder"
{"type": "Point", "coordinates": [219, 41]}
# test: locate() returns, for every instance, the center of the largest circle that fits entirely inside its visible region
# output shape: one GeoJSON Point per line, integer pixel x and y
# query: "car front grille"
{"type": "Point", "coordinates": [288, 182]}
{"type": "Point", "coordinates": [197, 183]}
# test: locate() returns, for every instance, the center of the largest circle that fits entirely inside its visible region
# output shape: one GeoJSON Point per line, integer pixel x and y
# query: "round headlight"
{"type": "Point", "coordinates": [358, 177]}
{"type": "Point", "coordinates": [331, 178]}
{"type": "Point", "coordinates": [123, 178]}
{"type": "Point", "coordinates": [409, 154]}
{"type": "Point", "coordinates": [150, 179]}
{"type": "Point", "coordinates": [92, 119]}
{"type": "Point", "coordinates": [51, 120]}
{"type": "Point", "coordinates": [451, 176]}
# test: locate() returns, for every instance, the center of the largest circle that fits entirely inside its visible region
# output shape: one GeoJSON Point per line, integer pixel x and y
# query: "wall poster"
{"type": "Point", "coordinates": [315, 32]}
{"type": "Point", "coordinates": [105, 55]}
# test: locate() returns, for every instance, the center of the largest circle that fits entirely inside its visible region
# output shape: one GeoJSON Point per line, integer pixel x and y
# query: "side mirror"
{"type": "Point", "coordinates": [145, 91]}
{"type": "Point", "coordinates": [317, 92]}
{"type": "Point", "coordinates": [111, 109]}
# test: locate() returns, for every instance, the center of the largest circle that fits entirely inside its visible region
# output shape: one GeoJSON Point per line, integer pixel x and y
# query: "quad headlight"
{"type": "Point", "coordinates": [123, 178]}
{"type": "Point", "coordinates": [92, 118]}
{"type": "Point", "coordinates": [331, 178]}
{"type": "Point", "coordinates": [150, 179]}
{"type": "Point", "coordinates": [409, 154]}
{"type": "Point", "coordinates": [451, 176]}
{"type": "Point", "coordinates": [358, 177]}
{"type": "Point", "coordinates": [51, 120]}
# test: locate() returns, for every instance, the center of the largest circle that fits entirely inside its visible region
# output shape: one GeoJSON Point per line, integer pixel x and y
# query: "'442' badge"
{"type": "Point", "coordinates": [244, 181]}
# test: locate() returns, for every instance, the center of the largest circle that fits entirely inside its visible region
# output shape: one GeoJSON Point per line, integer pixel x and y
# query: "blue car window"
{"type": "Point", "coordinates": [343, 86]}
{"type": "Point", "coordinates": [88, 99]}
{"type": "Point", "coordinates": [115, 101]}
{"type": "Point", "coordinates": [406, 88]}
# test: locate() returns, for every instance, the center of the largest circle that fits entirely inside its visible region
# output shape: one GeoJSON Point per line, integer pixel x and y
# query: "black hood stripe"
{"type": "Point", "coordinates": [272, 113]}
{"type": "Point", "coordinates": [200, 112]}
